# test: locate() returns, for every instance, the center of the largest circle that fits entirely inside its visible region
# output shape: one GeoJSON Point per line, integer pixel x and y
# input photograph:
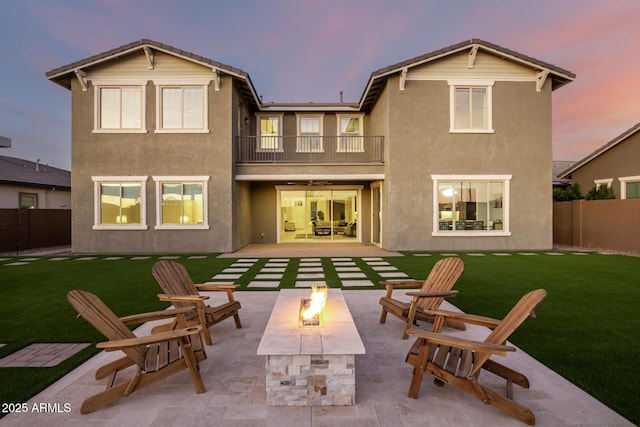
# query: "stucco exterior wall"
{"type": "Point", "coordinates": [153, 154]}
{"type": "Point", "coordinates": [619, 161]}
{"type": "Point", "coordinates": [47, 197]}
{"type": "Point", "coordinates": [420, 144]}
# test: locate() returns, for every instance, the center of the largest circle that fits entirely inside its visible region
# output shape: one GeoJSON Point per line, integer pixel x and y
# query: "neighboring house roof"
{"type": "Point", "coordinates": [34, 174]}
{"type": "Point", "coordinates": [558, 167]}
{"type": "Point", "coordinates": [63, 75]}
{"type": "Point", "coordinates": [609, 145]}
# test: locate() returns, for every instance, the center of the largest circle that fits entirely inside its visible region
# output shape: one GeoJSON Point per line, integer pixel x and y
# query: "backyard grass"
{"type": "Point", "coordinates": [587, 329]}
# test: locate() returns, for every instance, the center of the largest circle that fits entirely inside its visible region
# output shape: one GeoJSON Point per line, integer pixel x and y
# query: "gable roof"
{"type": "Point", "coordinates": [558, 76]}
{"type": "Point", "coordinates": [606, 147]}
{"type": "Point", "coordinates": [24, 172]}
{"type": "Point", "coordinates": [63, 75]}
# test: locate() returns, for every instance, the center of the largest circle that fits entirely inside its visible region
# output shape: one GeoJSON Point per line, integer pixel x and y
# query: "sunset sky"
{"type": "Point", "coordinates": [299, 51]}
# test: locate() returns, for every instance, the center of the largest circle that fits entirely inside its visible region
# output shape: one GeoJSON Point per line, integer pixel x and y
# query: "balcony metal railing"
{"type": "Point", "coordinates": [311, 149]}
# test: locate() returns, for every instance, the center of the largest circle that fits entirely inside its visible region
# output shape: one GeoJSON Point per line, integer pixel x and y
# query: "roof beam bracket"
{"type": "Point", "coordinates": [150, 57]}
{"type": "Point", "coordinates": [541, 78]}
{"type": "Point", "coordinates": [472, 56]}
{"type": "Point", "coordinates": [403, 77]}
{"type": "Point", "coordinates": [216, 79]}
{"type": "Point", "coordinates": [82, 78]}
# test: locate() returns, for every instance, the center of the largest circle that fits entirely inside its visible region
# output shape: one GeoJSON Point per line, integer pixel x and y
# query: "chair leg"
{"type": "Point", "coordinates": [418, 372]}
{"type": "Point", "coordinates": [192, 366]}
{"type": "Point", "coordinates": [383, 316]}
{"type": "Point", "coordinates": [487, 396]}
{"type": "Point", "coordinates": [236, 318]}
{"type": "Point", "coordinates": [103, 398]}
{"type": "Point", "coordinates": [113, 367]}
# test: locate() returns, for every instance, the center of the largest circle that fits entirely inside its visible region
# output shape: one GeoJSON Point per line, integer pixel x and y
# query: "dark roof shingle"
{"type": "Point", "coordinates": [25, 172]}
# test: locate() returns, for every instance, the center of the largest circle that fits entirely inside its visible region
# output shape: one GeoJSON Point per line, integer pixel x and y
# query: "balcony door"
{"type": "Point", "coordinates": [319, 214]}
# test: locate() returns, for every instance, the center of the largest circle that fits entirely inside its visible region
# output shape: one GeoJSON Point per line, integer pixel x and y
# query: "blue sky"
{"type": "Point", "coordinates": [298, 51]}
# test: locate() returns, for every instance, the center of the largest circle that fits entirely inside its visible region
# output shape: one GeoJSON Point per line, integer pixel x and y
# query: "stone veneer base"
{"type": "Point", "coordinates": [311, 380]}
{"type": "Point", "coordinates": [310, 366]}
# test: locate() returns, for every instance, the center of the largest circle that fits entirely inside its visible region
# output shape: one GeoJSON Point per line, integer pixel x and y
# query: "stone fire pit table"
{"type": "Point", "coordinates": [310, 366]}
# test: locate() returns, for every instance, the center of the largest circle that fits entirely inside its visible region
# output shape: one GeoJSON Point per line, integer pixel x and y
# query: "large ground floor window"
{"type": "Point", "coordinates": [119, 202]}
{"type": "Point", "coordinates": [471, 204]}
{"type": "Point", "coordinates": [318, 215]}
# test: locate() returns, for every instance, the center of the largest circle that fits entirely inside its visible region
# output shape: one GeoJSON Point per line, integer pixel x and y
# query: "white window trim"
{"type": "Point", "coordinates": [360, 131]}
{"type": "Point", "coordinates": [182, 83]}
{"type": "Point", "coordinates": [599, 182]}
{"type": "Point", "coordinates": [488, 84]}
{"type": "Point", "coordinates": [320, 118]}
{"type": "Point", "coordinates": [623, 184]}
{"type": "Point", "coordinates": [280, 148]}
{"type": "Point", "coordinates": [99, 84]}
{"type": "Point", "coordinates": [204, 180]}
{"type": "Point", "coordinates": [97, 180]}
{"type": "Point", "coordinates": [506, 179]}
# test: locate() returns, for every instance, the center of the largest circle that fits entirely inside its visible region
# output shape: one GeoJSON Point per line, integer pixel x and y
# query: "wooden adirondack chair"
{"type": "Point", "coordinates": [435, 288]}
{"type": "Point", "coordinates": [180, 290]}
{"type": "Point", "coordinates": [458, 362]}
{"type": "Point", "coordinates": [155, 357]}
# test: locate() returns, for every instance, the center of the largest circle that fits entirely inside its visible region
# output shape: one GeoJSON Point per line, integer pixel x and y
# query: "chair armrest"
{"type": "Point", "coordinates": [466, 318]}
{"type": "Point", "coordinates": [154, 315]}
{"type": "Point", "coordinates": [402, 283]}
{"type": "Point", "coordinates": [216, 287]}
{"type": "Point", "coordinates": [182, 298]}
{"type": "Point", "coordinates": [418, 295]}
{"type": "Point", "coordinates": [150, 339]}
{"type": "Point", "coordinates": [451, 341]}
{"type": "Point", "coordinates": [390, 285]}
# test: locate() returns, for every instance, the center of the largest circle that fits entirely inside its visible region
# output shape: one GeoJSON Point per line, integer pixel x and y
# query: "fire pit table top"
{"type": "Point", "coordinates": [283, 336]}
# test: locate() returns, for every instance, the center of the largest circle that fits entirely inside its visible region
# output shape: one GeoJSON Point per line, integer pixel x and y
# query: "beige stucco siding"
{"type": "Point", "coordinates": [617, 162]}
{"type": "Point", "coordinates": [153, 154]}
{"type": "Point", "coordinates": [48, 198]}
{"type": "Point", "coordinates": [420, 145]}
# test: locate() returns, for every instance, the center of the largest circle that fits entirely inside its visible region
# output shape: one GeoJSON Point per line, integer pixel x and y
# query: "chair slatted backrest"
{"type": "Point", "coordinates": [518, 314]}
{"type": "Point", "coordinates": [174, 280]}
{"type": "Point", "coordinates": [94, 311]}
{"type": "Point", "coordinates": [442, 277]}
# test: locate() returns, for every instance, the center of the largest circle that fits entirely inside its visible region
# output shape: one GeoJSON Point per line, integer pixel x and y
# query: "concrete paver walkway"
{"type": "Point", "coordinates": [236, 394]}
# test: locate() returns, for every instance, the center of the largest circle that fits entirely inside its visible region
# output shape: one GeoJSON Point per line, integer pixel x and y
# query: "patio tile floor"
{"type": "Point", "coordinates": [234, 377]}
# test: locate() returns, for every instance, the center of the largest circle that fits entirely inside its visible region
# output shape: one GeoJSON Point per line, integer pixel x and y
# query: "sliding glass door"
{"type": "Point", "coordinates": [318, 215]}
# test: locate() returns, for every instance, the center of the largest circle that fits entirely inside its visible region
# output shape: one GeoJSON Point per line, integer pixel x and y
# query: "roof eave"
{"type": "Point", "coordinates": [63, 75]}
{"type": "Point", "coordinates": [559, 76]}
{"type": "Point", "coordinates": [600, 150]}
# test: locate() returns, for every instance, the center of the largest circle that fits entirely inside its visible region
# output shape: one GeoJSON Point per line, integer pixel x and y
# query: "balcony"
{"type": "Point", "coordinates": [311, 149]}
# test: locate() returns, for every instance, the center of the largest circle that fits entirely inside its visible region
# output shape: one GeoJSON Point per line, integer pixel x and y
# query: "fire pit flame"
{"type": "Point", "coordinates": [311, 309]}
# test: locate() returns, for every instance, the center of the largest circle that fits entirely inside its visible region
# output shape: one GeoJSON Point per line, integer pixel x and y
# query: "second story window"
{"type": "Point", "coordinates": [309, 133]}
{"type": "Point", "coordinates": [350, 133]}
{"type": "Point", "coordinates": [471, 107]}
{"type": "Point", "coordinates": [269, 133]}
{"type": "Point", "coordinates": [182, 109]}
{"type": "Point", "coordinates": [119, 109]}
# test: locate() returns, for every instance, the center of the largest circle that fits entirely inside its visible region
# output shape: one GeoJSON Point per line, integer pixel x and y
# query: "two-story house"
{"type": "Point", "coordinates": [174, 152]}
{"type": "Point", "coordinates": [615, 164]}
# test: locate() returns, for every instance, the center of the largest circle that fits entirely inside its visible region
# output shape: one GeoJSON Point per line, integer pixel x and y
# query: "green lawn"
{"type": "Point", "coordinates": [587, 329]}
